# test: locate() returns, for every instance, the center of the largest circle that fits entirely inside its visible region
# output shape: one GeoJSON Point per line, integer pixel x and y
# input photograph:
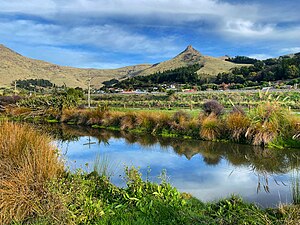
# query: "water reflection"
{"type": "Point", "coordinates": [208, 170]}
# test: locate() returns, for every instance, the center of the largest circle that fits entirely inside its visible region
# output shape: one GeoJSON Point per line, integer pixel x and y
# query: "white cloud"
{"type": "Point", "coordinates": [290, 50]}
{"type": "Point", "coordinates": [248, 28]}
{"type": "Point", "coordinates": [112, 38]}
{"type": "Point", "coordinates": [237, 20]}
{"type": "Point", "coordinates": [261, 56]}
{"type": "Point", "coordinates": [121, 26]}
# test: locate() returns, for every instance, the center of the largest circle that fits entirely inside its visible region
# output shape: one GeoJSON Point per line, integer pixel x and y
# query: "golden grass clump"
{"type": "Point", "coordinates": [27, 162]}
{"type": "Point", "coordinates": [180, 120]}
{"type": "Point", "coordinates": [237, 124]}
{"type": "Point", "coordinates": [112, 118]}
{"type": "Point", "coordinates": [210, 127]}
{"type": "Point", "coordinates": [78, 116]}
{"type": "Point", "coordinates": [268, 122]}
{"type": "Point", "coordinates": [128, 121]}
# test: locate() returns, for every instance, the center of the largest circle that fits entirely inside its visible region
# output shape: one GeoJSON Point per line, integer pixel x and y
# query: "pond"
{"type": "Point", "coordinates": [207, 170]}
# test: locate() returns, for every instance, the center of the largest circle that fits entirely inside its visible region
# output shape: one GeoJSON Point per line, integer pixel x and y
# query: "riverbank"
{"type": "Point", "coordinates": [269, 124]}
{"type": "Point", "coordinates": [36, 190]}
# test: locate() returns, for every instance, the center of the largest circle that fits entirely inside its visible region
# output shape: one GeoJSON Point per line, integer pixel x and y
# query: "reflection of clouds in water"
{"type": "Point", "coordinates": [193, 176]}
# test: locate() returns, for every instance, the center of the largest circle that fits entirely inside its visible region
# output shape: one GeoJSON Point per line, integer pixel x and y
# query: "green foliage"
{"type": "Point", "coordinates": [242, 60]}
{"type": "Point", "coordinates": [235, 211]}
{"type": "Point", "coordinates": [266, 70]}
{"type": "Point", "coordinates": [183, 75]}
{"type": "Point", "coordinates": [110, 83]}
{"type": "Point", "coordinates": [92, 199]}
{"type": "Point", "coordinates": [32, 84]}
{"type": "Point", "coordinates": [56, 101]}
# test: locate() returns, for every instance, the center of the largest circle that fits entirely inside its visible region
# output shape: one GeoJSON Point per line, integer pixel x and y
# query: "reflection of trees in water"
{"type": "Point", "coordinates": [212, 160]}
{"type": "Point", "coordinates": [258, 159]}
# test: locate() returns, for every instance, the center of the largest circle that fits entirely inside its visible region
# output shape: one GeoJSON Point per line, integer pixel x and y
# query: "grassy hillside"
{"type": "Point", "coordinates": [14, 66]}
{"type": "Point", "coordinates": [210, 66]}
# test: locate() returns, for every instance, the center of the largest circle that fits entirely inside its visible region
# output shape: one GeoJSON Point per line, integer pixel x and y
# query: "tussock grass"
{"type": "Point", "coordinates": [27, 162]}
{"type": "Point", "coordinates": [210, 129]}
{"type": "Point", "coordinates": [237, 124]}
{"type": "Point", "coordinates": [268, 122]}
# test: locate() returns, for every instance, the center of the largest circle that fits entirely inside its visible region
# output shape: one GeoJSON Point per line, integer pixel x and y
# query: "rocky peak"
{"type": "Point", "coordinates": [190, 49]}
{"type": "Point", "coordinates": [190, 54]}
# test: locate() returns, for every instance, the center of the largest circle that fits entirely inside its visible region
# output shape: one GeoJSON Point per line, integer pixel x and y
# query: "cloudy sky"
{"type": "Point", "coordinates": [115, 33]}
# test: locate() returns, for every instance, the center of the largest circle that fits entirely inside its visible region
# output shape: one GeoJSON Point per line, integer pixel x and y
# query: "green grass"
{"type": "Point", "coordinates": [47, 195]}
{"type": "Point", "coordinates": [171, 111]}
{"type": "Point", "coordinates": [92, 199]}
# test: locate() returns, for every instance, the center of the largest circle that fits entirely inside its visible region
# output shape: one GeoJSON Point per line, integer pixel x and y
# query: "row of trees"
{"type": "Point", "coordinates": [182, 75]}
{"type": "Point", "coordinates": [31, 84]}
{"type": "Point", "coordinates": [282, 68]}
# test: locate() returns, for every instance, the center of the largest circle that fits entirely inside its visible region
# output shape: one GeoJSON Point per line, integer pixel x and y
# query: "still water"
{"type": "Point", "coordinates": [207, 170]}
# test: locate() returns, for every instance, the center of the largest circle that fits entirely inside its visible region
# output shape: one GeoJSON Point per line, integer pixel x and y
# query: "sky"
{"type": "Point", "coordinates": [116, 33]}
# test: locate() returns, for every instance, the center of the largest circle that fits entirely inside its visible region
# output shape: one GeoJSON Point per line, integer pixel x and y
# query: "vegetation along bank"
{"type": "Point", "coordinates": [35, 188]}
{"type": "Point", "coordinates": [267, 124]}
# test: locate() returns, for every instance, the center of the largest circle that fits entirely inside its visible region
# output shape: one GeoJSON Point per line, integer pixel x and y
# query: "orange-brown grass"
{"type": "Point", "coordinates": [180, 121]}
{"type": "Point", "coordinates": [112, 118]}
{"type": "Point", "coordinates": [153, 122]}
{"type": "Point", "coordinates": [128, 121]}
{"type": "Point", "coordinates": [210, 128]}
{"type": "Point", "coordinates": [18, 111]}
{"type": "Point", "coordinates": [27, 162]}
{"type": "Point", "coordinates": [78, 116]}
{"type": "Point", "coordinates": [290, 214]}
{"type": "Point", "coordinates": [237, 124]}
{"type": "Point", "coordinates": [268, 122]}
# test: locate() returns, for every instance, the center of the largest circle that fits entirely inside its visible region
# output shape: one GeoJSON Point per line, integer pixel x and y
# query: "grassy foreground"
{"type": "Point", "coordinates": [34, 189]}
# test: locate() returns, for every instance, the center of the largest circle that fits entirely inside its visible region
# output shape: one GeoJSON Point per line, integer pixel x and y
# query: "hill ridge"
{"type": "Point", "coordinates": [14, 66]}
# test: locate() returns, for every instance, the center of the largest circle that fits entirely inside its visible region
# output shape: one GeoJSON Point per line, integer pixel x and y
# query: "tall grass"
{"type": "Point", "coordinates": [237, 124]}
{"type": "Point", "coordinates": [295, 187]}
{"type": "Point", "coordinates": [105, 166]}
{"type": "Point", "coordinates": [27, 162]}
{"type": "Point", "coordinates": [269, 121]}
{"type": "Point", "coordinates": [210, 129]}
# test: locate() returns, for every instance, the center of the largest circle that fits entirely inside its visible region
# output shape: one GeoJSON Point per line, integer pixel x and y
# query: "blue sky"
{"type": "Point", "coordinates": [116, 33]}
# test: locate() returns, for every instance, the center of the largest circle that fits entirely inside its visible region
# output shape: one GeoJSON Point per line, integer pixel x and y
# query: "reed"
{"type": "Point", "coordinates": [295, 187]}
{"type": "Point", "coordinates": [27, 162]}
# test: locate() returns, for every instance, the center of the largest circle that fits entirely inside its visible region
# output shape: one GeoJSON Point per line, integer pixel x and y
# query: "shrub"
{"type": "Point", "coordinates": [213, 107]}
{"type": "Point", "coordinates": [6, 100]}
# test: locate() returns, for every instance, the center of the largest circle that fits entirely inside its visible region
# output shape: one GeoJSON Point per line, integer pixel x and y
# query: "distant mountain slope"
{"type": "Point", "coordinates": [14, 66]}
{"type": "Point", "coordinates": [211, 66]}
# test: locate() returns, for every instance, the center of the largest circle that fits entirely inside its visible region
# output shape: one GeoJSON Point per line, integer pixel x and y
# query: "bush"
{"type": "Point", "coordinates": [6, 100]}
{"type": "Point", "coordinates": [214, 107]}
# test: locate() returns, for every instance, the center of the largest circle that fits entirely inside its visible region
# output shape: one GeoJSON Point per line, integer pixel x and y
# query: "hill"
{"type": "Point", "coordinates": [14, 66]}
{"type": "Point", "coordinates": [210, 66]}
